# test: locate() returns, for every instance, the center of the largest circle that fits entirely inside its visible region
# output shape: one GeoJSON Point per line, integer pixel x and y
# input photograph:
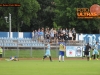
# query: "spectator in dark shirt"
{"type": "Point", "coordinates": [66, 37]}
{"type": "Point", "coordinates": [74, 33]}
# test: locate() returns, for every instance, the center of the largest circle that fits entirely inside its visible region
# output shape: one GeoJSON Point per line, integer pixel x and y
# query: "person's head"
{"type": "Point", "coordinates": [96, 42]}
{"type": "Point", "coordinates": [50, 42]}
{"type": "Point", "coordinates": [73, 28]}
{"type": "Point", "coordinates": [87, 43]}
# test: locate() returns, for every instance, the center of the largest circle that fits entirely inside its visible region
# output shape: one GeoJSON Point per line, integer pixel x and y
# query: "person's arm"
{"type": "Point", "coordinates": [64, 48]}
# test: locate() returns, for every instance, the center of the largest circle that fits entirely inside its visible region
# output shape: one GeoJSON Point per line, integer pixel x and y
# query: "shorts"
{"type": "Point", "coordinates": [48, 52]}
{"type": "Point", "coordinates": [95, 52]}
{"type": "Point", "coordinates": [61, 53]}
{"type": "Point", "coordinates": [86, 52]}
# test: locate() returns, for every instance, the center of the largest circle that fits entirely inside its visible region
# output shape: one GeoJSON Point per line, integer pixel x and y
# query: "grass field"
{"type": "Point", "coordinates": [40, 67]}
{"type": "Point", "coordinates": [27, 53]}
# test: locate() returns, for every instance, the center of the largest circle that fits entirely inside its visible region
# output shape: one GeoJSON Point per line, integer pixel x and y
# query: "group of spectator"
{"type": "Point", "coordinates": [54, 35]}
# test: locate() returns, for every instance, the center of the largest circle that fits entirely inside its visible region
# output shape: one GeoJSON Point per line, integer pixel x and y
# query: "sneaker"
{"type": "Point", "coordinates": [90, 58]}
{"type": "Point", "coordinates": [96, 58]}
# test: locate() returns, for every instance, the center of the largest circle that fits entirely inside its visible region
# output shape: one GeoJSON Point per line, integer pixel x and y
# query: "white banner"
{"type": "Point", "coordinates": [20, 35]}
{"type": "Point", "coordinates": [74, 51]}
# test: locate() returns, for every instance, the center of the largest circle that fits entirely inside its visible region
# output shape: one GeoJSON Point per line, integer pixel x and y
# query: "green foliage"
{"type": "Point", "coordinates": [65, 15]}
{"type": "Point", "coordinates": [27, 53]}
{"type": "Point", "coordinates": [34, 14]}
{"type": "Point", "coordinates": [25, 12]}
{"type": "Point", "coordinates": [56, 26]}
{"type": "Point", "coordinates": [45, 15]}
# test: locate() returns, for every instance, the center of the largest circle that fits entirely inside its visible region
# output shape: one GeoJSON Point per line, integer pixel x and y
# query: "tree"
{"type": "Point", "coordinates": [66, 15]}
{"type": "Point", "coordinates": [45, 15]}
{"type": "Point", "coordinates": [20, 15]}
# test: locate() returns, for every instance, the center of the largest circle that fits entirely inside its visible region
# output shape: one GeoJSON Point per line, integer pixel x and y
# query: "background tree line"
{"type": "Point", "coordinates": [34, 14]}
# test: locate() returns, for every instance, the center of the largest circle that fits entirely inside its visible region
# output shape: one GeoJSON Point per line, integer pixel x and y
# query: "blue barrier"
{"type": "Point", "coordinates": [16, 34]}
{"type": "Point", "coordinates": [88, 38]}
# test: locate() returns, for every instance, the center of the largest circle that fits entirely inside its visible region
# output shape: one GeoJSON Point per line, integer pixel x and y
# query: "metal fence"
{"type": "Point", "coordinates": [28, 48]}
{"type": "Point", "coordinates": [25, 48]}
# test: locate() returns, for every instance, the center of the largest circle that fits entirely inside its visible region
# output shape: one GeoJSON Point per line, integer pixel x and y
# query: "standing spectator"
{"type": "Point", "coordinates": [70, 35]}
{"type": "Point", "coordinates": [66, 37]}
{"type": "Point", "coordinates": [48, 54]}
{"type": "Point", "coordinates": [61, 50]}
{"type": "Point", "coordinates": [33, 35]}
{"type": "Point", "coordinates": [45, 33]}
{"type": "Point", "coordinates": [1, 52]}
{"type": "Point", "coordinates": [52, 34]}
{"type": "Point", "coordinates": [41, 35]}
{"type": "Point", "coordinates": [48, 29]}
{"type": "Point", "coordinates": [47, 36]}
{"type": "Point", "coordinates": [55, 35]}
{"type": "Point", "coordinates": [69, 30]}
{"type": "Point", "coordinates": [58, 38]}
{"type": "Point", "coordinates": [74, 33]}
{"type": "Point", "coordinates": [58, 31]}
{"type": "Point", "coordinates": [62, 36]}
{"type": "Point", "coordinates": [66, 31]}
{"type": "Point", "coordinates": [63, 31]}
{"type": "Point", "coordinates": [87, 50]}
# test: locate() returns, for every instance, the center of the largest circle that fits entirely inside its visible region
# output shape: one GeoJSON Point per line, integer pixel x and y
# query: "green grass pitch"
{"type": "Point", "coordinates": [40, 67]}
